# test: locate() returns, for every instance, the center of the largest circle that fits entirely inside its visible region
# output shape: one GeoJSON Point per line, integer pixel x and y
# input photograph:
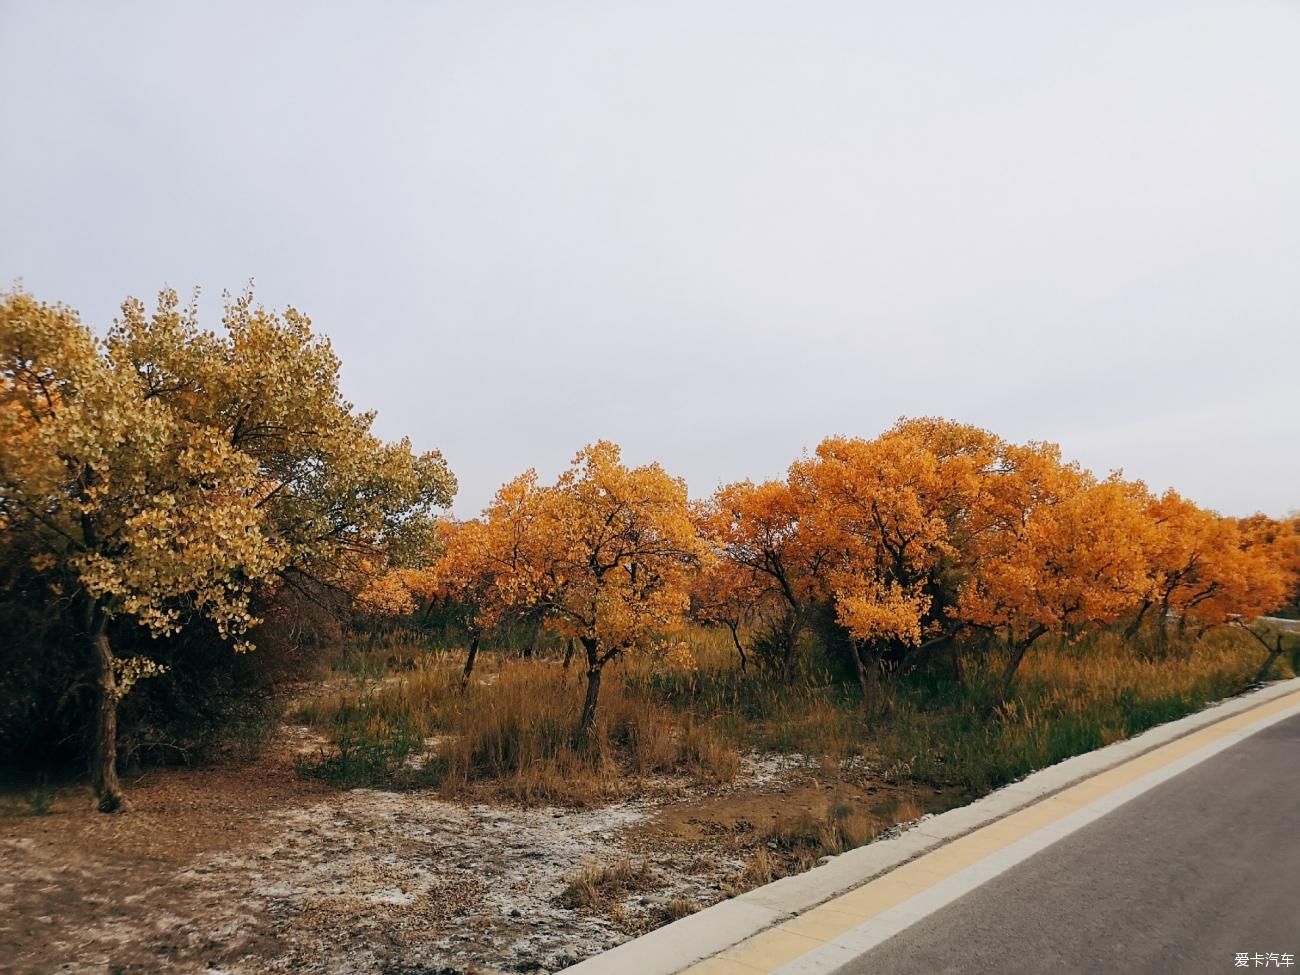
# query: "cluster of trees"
{"type": "Point", "coordinates": [164, 478]}
{"type": "Point", "coordinates": [935, 535]}
{"type": "Point", "coordinates": [163, 481]}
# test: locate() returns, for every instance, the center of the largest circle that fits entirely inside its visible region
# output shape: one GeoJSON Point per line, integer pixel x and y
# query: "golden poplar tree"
{"type": "Point", "coordinates": [164, 474]}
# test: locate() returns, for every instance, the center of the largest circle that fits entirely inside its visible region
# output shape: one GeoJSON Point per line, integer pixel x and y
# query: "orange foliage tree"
{"type": "Point", "coordinates": [901, 518]}
{"type": "Point", "coordinates": [1077, 556]}
{"type": "Point", "coordinates": [607, 557]}
{"type": "Point", "coordinates": [928, 536]}
{"type": "Point", "coordinates": [724, 593]}
{"type": "Point", "coordinates": [1268, 576]}
{"type": "Point", "coordinates": [769, 567]}
{"type": "Point", "coordinates": [1208, 570]}
{"type": "Point", "coordinates": [493, 566]}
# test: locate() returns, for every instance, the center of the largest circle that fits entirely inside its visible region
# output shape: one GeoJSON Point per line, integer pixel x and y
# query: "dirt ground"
{"type": "Point", "coordinates": [251, 869]}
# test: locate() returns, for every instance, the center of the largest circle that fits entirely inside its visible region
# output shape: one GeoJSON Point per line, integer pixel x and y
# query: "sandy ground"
{"type": "Point", "coordinates": [250, 869]}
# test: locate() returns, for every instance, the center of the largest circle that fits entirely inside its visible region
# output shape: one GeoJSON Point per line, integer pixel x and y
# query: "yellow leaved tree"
{"type": "Point", "coordinates": [1266, 577]}
{"type": "Point", "coordinates": [608, 558]}
{"type": "Point", "coordinates": [1206, 569]}
{"type": "Point", "coordinates": [902, 519]}
{"type": "Point", "coordinates": [768, 570]}
{"type": "Point", "coordinates": [492, 566]}
{"type": "Point", "coordinates": [166, 474]}
{"type": "Point", "coordinates": [1073, 553]}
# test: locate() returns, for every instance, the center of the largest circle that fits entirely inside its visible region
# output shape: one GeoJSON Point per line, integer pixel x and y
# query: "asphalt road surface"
{"type": "Point", "coordinates": [1182, 879]}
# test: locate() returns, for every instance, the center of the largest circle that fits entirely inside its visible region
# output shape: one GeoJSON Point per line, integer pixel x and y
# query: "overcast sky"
{"type": "Point", "coordinates": [715, 232]}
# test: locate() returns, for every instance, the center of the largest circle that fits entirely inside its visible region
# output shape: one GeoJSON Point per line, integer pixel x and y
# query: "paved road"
{"type": "Point", "coordinates": [1178, 880]}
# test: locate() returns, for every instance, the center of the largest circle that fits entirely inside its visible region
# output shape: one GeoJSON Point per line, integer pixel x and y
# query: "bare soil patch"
{"type": "Point", "coordinates": [250, 869]}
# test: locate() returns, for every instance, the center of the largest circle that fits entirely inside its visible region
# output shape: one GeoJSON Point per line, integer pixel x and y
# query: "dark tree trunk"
{"type": "Point", "coordinates": [740, 647]}
{"type": "Point", "coordinates": [587, 726]}
{"type": "Point", "coordinates": [1136, 625]}
{"type": "Point", "coordinates": [790, 650]}
{"type": "Point", "coordinates": [867, 679]}
{"type": "Point", "coordinates": [1274, 652]}
{"type": "Point", "coordinates": [1164, 621]}
{"type": "Point", "coordinates": [103, 768]}
{"type": "Point", "coordinates": [470, 658]}
{"type": "Point", "coordinates": [568, 654]}
{"type": "Point", "coordinates": [1009, 672]}
{"type": "Point", "coordinates": [534, 638]}
{"type": "Point", "coordinates": [1013, 664]}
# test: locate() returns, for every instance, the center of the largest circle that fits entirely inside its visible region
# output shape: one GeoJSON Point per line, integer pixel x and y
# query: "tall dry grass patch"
{"type": "Point", "coordinates": [397, 717]}
{"type": "Point", "coordinates": [514, 727]}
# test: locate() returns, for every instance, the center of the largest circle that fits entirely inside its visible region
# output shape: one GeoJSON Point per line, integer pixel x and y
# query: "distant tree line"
{"type": "Point", "coordinates": [171, 497]}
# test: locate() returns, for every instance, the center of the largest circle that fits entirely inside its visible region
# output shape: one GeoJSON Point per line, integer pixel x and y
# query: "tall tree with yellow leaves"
{"type": "Point", "coordinates": [728, 594]}
{"type": "Point", "coordinates": [1077, 555]}
{"type": "Point", "coordinates": [1267, 577]}
{"type": "Point", "coordinates": [609, 557]}
{"type": "Point", "coordinates": [902, 518]}
{"type": "Point", "coordinates": [769, 567]}
{"type": "Point", "coordinates": [163, 475]}
{"type": "Point", "coordinates": [1206, 569]}
{"type": "Point", "coordinates": [492, 566]}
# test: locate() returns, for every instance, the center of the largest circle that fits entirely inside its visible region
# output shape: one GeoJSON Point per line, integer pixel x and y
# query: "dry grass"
{"type": "Point", "coordinates": [513, 727]}
{"type": "Point", "coordinates": [512, 730]}
{"type": "Point", "coordinates": [798, 841]}
{"type": "Point", "coordinates": [676, 908]}
{"type": "Point", "coordinates": [599, 887]}
{"type": "Point", "coordinates": [844, 826]}
{"type": "Point", "coordinates": [758, 871]}
{"type": "Point", "coordinates": [1069, 698]}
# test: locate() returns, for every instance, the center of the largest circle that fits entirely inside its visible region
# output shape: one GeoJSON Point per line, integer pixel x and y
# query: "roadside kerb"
{"type": "Point", "coordinates": [678, 945]}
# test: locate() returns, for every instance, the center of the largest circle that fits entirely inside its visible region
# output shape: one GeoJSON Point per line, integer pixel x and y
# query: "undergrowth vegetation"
{"type": "Point", "coordinates": [399, 717]}
{"type": "Point", "coordinates": [1078, 698]}
{"type": "Point", "coordinates": [513, 726]}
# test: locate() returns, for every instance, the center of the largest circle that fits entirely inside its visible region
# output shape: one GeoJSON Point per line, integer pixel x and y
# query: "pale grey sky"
{"type": "Point", "coordinates": [713, 231]}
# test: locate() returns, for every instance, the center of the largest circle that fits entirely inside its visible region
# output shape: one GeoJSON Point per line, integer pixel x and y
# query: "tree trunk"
{"type": "Point", "coordinates": [568, 653]}
{"type": "Point", "coordinates": [1013, 664]}
{"type": "Point", "coordinates": [790, 651]}
{"type": "Point", "coordinates": [1136, 625]}
{"type": "Point", "coordinates": [1163, 632]}
{"type": "Point", "coordinates": [866, 679]}
{"type": "Point", "coordinates": [534, 638]}
{"type": "Point", "coordinates": [103, 769]}
{"type": "Point", "coordinates": [1273, 654]}
{"type": "Point", "coordinates": [740, 648]}
{"type": "Point", "coordinates": [469, 661]}
{"type": "Point", "coordinates": [587, 726]}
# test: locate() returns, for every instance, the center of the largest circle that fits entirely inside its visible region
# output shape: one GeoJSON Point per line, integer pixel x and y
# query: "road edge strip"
{"type": "Point", "coordinates": [706, 933]}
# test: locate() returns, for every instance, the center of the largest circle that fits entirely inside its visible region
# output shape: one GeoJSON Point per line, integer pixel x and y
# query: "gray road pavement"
{"type": "Point", "coordinates": [1179, 880]}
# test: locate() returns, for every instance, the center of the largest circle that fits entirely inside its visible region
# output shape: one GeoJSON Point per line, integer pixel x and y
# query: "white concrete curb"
{"type": "Point", "coordinates": [675, 946]}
